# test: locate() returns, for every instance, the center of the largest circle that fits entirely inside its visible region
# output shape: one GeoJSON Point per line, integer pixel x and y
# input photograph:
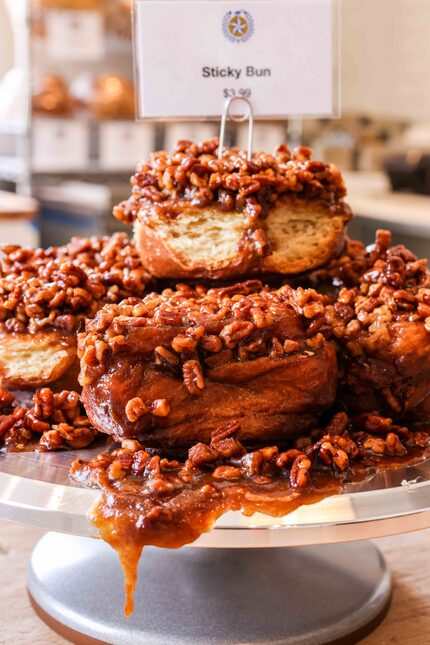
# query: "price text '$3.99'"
{"type": "Point", "coordinates": [242, 93]}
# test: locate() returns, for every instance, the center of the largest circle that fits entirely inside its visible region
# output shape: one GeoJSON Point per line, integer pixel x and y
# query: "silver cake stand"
{"type": "Point", "coordinates": [323, 583]}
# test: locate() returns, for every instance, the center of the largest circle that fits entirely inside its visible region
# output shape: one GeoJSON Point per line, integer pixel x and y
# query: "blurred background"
{"type": "Point", "coordinates": [68, 140]}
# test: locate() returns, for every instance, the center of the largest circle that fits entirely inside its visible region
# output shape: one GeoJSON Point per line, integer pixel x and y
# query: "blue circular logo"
{"type": "Point", "coordinates": [238, 26]}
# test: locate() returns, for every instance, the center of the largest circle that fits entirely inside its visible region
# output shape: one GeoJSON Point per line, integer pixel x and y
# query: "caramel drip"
{"type": "Point", "coordinates": [169, 504]}
{"type": "Point", "coordinates": [183, 518]}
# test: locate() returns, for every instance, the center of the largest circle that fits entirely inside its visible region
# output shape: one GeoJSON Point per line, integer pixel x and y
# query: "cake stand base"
{"type": "Point", "coordinates": [302, 596]}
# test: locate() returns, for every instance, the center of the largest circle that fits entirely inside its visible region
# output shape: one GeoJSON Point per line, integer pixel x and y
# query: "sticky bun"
{"type": "Point", "coordinates": [200, 217]}
{"type": "Point", "coordinates": [172, 367]}
{"type": "Point", "coordinates": [46, 294]}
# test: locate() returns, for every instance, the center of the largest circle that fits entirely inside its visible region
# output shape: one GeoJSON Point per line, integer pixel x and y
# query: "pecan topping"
{"type": "Point", "coordinates": [54, 421]}
{"type": "Point", "coordinates": [193, 376]}
{"type": "Point", "coordinates": [299, 475]}
{"type": "Point", "coordinates": [240, 322]}
{"type": "Point", "coordinates": [193, 175]}
{"type": "Point", "coordinates": [160, 408]}
{"type": "Point", "coordinates": [236, 331]}
{"type": "Point", "coordinates": [135, 408]}
{"type": "Point", "coordinates": [59, 287]}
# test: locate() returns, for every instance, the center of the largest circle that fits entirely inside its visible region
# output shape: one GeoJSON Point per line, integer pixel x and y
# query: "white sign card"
{"type": "Point", "coordinates": [122, 143]}
{"type": "Point", "coordinates": [73, 35]}
{"type": "Point", "coordinates": [191, 55]}
{"type": "Point", "coordinates": [60, 145]}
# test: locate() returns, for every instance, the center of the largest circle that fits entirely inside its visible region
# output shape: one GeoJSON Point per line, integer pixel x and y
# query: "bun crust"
{"type": "Point", "coordinates": [381, 323]}
{"type": "Point", "coordinates": [34, 360]}
{"type": "Point", "coordinates": [172, 368]}
{"type": "Point", "coordinates": [297, 235]}
{"type": "Point", "coordinates": [266, 395]}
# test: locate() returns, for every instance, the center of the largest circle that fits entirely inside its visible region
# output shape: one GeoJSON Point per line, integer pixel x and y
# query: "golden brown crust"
{"type": "Point", "coordinates": [297, 235]}
{"type": "Point", "coordinates": [272, 403]}
{"type": "Point", "coordinates": [382, 325]}
{"type": "Point", "coordinates": [162, 261]}
{"type": "Point", "coordinates": [171, 368]}
{"type": "Point", "coordinates": [33, 360]}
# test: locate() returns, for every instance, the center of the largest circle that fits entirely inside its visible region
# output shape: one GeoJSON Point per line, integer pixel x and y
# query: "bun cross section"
{"type": "Point", "coordinates": [200, 217]}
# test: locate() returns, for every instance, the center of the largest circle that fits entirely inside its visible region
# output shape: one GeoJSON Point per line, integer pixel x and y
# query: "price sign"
{"type": "Point", "coordinates": [60, 145]}
{"type": "Point", "coordinates": [75, 35]}
{"type": "Point", "coordinates": [192, 55]}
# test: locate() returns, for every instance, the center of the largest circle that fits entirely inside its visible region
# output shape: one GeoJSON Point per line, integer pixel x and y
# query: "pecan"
{"type": "Point", "coordinates": [211, 343]}
{"type": "Point", "coordinates": [253, 463]}
{"type": "Point", "coordinates": [375, 445]}
{"type": "Point", "coordinates": [51, 440]}
{"type": "Point", "coordinates": [261, 242]}
{"type": "Point", "coordinates": [163, 355]}
{"type": "Point", "coordinates": [291, 346]}
{"type": "Point", "coordinates": [249, 187]}
{"type": "Point", "coordinates": [161, 485]}
{"type": "Point", "coordinates": [277, 350]}
{"type": "Point", "coordinates": [32, 423]}
{"type": "Point", "coordinates": [286, 459]}
{"type": "Point", "coordinates": [329, 454]}
{"type": "Point", "coordinates": [253, 211]}
{"type": "Point", "coordinates": [193, 376]}
{"type": "Point", "coordinates": [224, 440]}
{"type": "Point", "coordinates": [101, 348]}
{"type": "Point", "coordinates": [6, 423]}
{"type": "Point", "coordinates": [15, 326]}
{"type": "Point", "coordinates": [117, 344]}
{"type": "Point", "coordinates": [377, 425]}
{"type": "Point", "coordinates": [226, 200]}
{"type": "Point", "coordinates": [44, 403]}
{"type": "Point", "coordinates": [135, 408]}
{"type": "Point", "coordinates": [226, 472]}
{"type": "Point", "coordinates": [131, 444]}
{"type": "Point", "coordinates": [116, 471]}
{"type": "Point", "coordinates": [76, 437]}
{"type": "Point", "coordinates": [160, 408]}
{"type": "Point", "coordinates": [140, 460]}
{"type": "Point", "coordinates": [394, 446]}
{"type": "Point", "coordinates": [184, 344]}
{"type": "Point", "coordinates": [125, 458]}
{"type": "Point", "coordinates": [236, 331]}
{"type": "Point", "coordinates": [299, 474]}
{"type": "Point", "coordinates": [53, 422]}
{"type": "Point", "coordinates": [200, 454]}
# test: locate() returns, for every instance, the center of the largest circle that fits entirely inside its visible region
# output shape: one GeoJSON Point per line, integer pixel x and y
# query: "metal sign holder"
{"type": "Point", "coordinates": [249, 115]}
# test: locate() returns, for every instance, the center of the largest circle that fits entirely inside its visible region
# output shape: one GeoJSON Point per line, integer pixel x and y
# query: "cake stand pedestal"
{"type": "Point", "coordinates": [306, 595]}
{"type": "Point", "coordinates": [304, 579]}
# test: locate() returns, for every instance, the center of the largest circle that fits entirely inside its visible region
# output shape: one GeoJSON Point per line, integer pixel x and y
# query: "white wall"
{"type": "Point", "coordinates": [6, 43]}
{"type": "Point", "coordinates": [386, 57]}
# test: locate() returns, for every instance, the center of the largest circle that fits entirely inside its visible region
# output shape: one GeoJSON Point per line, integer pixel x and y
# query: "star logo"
{"type": "Point", "coordinates": [238, 26]}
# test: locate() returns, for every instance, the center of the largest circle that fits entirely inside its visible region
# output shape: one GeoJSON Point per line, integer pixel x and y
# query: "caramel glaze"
{"type": "Point", "coordinates": [149, 500]}
{"type": "Point", "coordinates": [129, 516]}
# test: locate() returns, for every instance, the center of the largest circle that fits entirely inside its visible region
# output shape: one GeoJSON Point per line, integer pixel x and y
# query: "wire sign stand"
{"type": "Point", "coordinates": [247, 116]}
